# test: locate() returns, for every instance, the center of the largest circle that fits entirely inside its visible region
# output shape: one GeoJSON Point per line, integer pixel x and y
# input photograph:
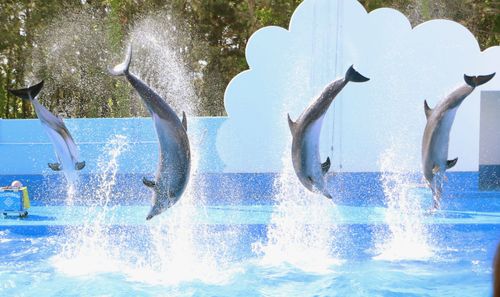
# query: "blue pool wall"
{"type": "Point", "coordinates": [26, 150]}
{"type": "Point", "coordinates": [489, 141]}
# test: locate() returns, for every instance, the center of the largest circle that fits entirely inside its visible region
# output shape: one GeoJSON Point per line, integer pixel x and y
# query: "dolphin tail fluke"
{"type": "Point", "coordinates": [122, 69]}
{"type": "Point", "coordinates": [353, 75]}
{"type": "Point", "coordinates": [475, 81]}
{"type": "Point", "coordinates": [28, 93]}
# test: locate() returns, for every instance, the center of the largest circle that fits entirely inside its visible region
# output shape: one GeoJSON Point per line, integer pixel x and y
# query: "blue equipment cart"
{"type": "Point", "coordinates": [13, 199]}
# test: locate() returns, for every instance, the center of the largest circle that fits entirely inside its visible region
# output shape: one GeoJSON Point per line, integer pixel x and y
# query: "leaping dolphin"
{"type": "Point", "coordinates": [175, 157]}
{"type": "Point", "coordinates": [306, 131]}
{"type": "Point", "coordinates": [437, 134]}
{"type": "Point", "coordinates": [64, 145]}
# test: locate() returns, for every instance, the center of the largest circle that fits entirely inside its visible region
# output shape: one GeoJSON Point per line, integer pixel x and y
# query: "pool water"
{"type": "Point", "coordinates": [240, 249]}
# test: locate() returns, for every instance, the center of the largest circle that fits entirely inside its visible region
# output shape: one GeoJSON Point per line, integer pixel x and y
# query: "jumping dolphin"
{"type": "Point", "coordinates": [175, 157]}
{"type": "Point", "coordinates": [64, 145]}
{"type": "Point", "coordinates": [437, 134]}
{"type": "Point", "coordinates": [305, 133]}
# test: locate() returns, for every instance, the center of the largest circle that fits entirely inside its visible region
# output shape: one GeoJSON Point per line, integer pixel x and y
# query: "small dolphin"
{"type": "Point", "coordinates": [175, 157]}
{"type": "Point", "coordinates": [305, 133]}
{"type": "Point", "coordinates": [64, 145]}
{"type": "Point", "coordinates": [437, 135]}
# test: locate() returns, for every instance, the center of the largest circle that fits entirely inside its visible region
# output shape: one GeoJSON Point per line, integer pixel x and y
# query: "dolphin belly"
{"type": "Point", "coordinates": [310, 164]}
{"type": "Point", "coordinates": [441, 140]}
{"type": "Point", "coordinates": [174, 166]}
{"type": "Point", "coordinates": [61, 149]}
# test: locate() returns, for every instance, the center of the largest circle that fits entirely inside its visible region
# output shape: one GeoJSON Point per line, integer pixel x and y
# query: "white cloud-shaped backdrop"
{"type": "Point", "coordinates": [289, 68]}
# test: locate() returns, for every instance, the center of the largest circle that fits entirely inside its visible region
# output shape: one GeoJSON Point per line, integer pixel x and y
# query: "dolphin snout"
{"type": "Point", "coordinates": [157, 209]}
{"type": "Point", "coordinates": [327, 195]}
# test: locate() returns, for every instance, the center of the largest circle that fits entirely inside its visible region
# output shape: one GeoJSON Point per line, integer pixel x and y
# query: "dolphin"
{"type": "Point", "coordinates": [175, 157]}
{"type": "Point", "coordinates": [305, 133]}
{"type": "Point", "coordinates": [64, 145]}
{"type": "Point", "coordinates": [436, 136]}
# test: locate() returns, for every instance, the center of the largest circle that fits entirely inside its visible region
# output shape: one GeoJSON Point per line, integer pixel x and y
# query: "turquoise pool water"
{"type": "Point", "coordinates": [313, 248]}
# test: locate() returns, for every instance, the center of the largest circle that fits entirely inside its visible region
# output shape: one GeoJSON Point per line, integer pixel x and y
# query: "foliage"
{"type": "Point", "coordinates": [70, 44]}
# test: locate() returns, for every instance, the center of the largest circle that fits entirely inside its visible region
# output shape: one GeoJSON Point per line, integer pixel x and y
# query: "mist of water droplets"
{"type": "Point", "coordinates": [302, 230]}
{"type": "Point", "coordinates": [407, 238]}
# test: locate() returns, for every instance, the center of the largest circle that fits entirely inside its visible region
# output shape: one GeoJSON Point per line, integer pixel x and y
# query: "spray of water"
{"type": "Point", "coordinates": [177, 245]}
{"type": "Point", "coordinates": [158, 61]}
{"type": "Point", "coordinates": [407, 237]}
{"type": "Point", "coordinates": [302, 228]}
{"type": "Point", "coordinates": [183, 246]}
{"type": "Point", "coordinates": [88, 248]}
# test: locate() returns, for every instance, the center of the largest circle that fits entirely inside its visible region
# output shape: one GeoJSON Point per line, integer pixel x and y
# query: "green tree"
{"type": "Point", "coordinates": [70, 44]}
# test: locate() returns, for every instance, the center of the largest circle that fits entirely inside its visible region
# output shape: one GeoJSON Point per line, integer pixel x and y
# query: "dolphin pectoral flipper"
{"type": "Point", "coordinates": [79, 165]}
{"type": "Point", "coordinates": [184, 121]}
{"type": "Point", "coordinates": [55, 166]}
{"type": "Point", "coordinates": [326, 166]}
{"type": "Point", "coordinates": [28, 93]}
{"type": "Point", "coordinates": [451, 163]}
{"type": "Point", "coordinates": [291, 124]}
{"type": "Point", "coordinates": [148, 183]}
{"type": "Point", "coordinates": [354, 76]}
{"type": "Point", "coordinates": [475, 81]}
{"type": "Point", "coordinates": [427, 109]}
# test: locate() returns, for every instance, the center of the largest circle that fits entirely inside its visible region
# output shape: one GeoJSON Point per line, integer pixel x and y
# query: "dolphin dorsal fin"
{"type": "Point", "coordinates": [427, 109]}
{"type": "Point", "coordinates": [291, 124]}
{"type": "Point", "coordinates": [184, 121]}
{"type": "Point", "coordinates": [148, 183]}
{"type": "Point", "coordinates": [326, 166]}
{"type": "Point", "coordinates": [451, 163]}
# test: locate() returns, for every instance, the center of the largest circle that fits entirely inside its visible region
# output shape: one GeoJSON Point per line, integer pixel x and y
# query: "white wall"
{"type": "Point", "coordinates": [289, 67]}
{"type": "Point", "coordinates": [489, 153]}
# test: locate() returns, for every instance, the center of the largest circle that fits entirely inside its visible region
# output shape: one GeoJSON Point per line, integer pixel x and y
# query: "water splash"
{"type": "Point", "coordinates": [302, 229]}
{"type": "Point", "coordinates": [158, 61]}
{"type": "Point", "coordinates": [71, 194]}
{"type": "Point", "coordinates": [408, 237]}
{"type": "Point", "coordinates": [177, 246]}
{"type": "Point", "coordinates": [88, 248]}
{"type": "Point", "coordinates": [75, 49]}
{"type": "Point", "coordinates": [183, 246]}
